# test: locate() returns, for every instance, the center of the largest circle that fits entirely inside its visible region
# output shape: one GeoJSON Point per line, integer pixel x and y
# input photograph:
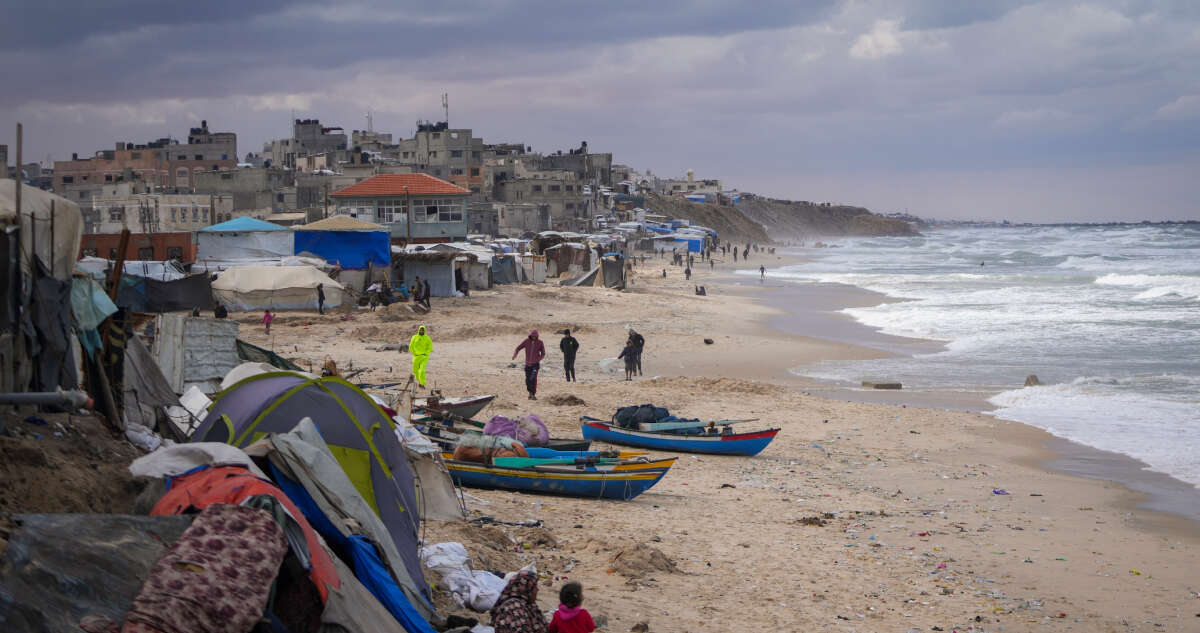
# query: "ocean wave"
{"type": "Point", "coordinates": [1156, 286]}
{"type": "Point", "coordinates": [1157, 431]}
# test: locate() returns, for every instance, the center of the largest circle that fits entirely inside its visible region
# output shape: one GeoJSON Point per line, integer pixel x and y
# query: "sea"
{"type": "Point", "coordinates": [1106, 316]}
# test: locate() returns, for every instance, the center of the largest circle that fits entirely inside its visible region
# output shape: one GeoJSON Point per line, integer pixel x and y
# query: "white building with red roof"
{"type": "Point", "coordinates": [418, 208]}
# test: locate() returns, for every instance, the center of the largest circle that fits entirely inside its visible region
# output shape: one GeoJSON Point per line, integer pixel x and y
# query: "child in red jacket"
{"type": "Point", "coordinates": [570, 617]}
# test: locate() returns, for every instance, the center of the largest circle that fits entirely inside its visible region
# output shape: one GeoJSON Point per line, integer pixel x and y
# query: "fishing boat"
{"type": "Point", "coordinates": [589, 464]}
{"type": "Point", "coordinates": [556, 480]}
{"type": "Point", "coordinates": [698, 438]}
{"type": "Point", "coordinates": [462, 406]}
{"type": "Point", "coordinates": [444, 430]}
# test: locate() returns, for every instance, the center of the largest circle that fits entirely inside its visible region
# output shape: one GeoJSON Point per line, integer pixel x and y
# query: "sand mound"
{"type": "Point", "coordinates": [565, 400]}
{"type": "Point", "coordinates": [640, 560]}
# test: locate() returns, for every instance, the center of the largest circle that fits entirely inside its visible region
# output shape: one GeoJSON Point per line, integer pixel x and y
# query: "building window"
{"type": "Point", "coordinates": [224, 156]}
{"type": "Point", "coordinates": [555, 188]}
{"type": "Point", "coordinates": [68, 179]}
{"type": "Point", "coordinates": [406, 154]}
{"type": "Point", "coordinates": [146, 254]}
{"type": "Point", "coordinates": [389, 211]}
{"type": "Point", "coordinates": [279, 197]}
{"type": "Point", "coordinates": [135, 155]}
{"type": "Point", "coordinates": [475, 171]}
{"type": "Point", "coordinates": [476, 155]}
{"type": "Point", "coordinates": [85, 178]}
{"type": "Point", "coordinates": [116, 214]}
{"type": "Point", "coordinates": [456, 172]}
{"type": "Point", "coordinates": [199, 156]}
{"type": "Point", "coordinates": [206, 215]}
{"type": "Point", "coordinates": [456, 153]}
{"type": "Point", "coordinates": [537, 187]}
{"type": "Point", "coordinates": [175, 252]}
{"type": "Point", "coordinates": [430, 210]}
{"type": "Point", "coordinates": [182, 157]}
{"type": "Point", "coordinates": [172, 214]}
{"type": "Point", "coordinates": [437, 135]}
{"type": "Point", "coordinates": [570, 187]}
{"type": "Point", "coordinates": [570, 205]}
{"type": "Point", "coordinates": [107, 177]}
{"type": "Point", "coordinates": [195, 214]}
{"type": "Point", "coordinates": [216, 167]}
{"type": "Point", "coordinates": [433, 154]}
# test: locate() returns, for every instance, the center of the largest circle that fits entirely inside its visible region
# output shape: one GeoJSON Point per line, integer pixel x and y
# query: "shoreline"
{"type": "Point", "coordinates": [876, 516]}
{"type": "Point", "coordinates": [1153, 491]}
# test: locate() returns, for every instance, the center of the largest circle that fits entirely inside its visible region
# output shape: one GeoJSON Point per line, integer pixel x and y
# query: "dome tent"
{"type": "Point", "coordinates": [358, 433]}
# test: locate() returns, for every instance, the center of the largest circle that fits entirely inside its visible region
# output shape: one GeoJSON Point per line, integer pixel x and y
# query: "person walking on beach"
{"type": "Point", "coordinates": [535, 351]}
{"type": "Point", "coordinates": [735, 255]}
{"type": "Point", "coordinates": [425, 294]}
{"type": "Point", "coordinates": [266, 320]}
{"type": "Point", "coordinates": [568, 345]}
{"type": "Point", "coordinates": [570, 617]}
{"type": "Point", "coordinates": [711, 264]}
{"type": "Point", "coordinates": [687, 274]}
{"type": "Point", "coordinates": [320, 298]}
{"type": "Point", "coordinates": [420, 346]}
{"type": "Point", "coordinates": [762, 273]}
{"type": "Point", "coordinates": [629, 353]}
{"type": "Point", "coordinates": [639, 344]}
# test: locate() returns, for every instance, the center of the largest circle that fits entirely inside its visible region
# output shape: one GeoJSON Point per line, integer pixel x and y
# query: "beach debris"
{"type": "Point", "coordinates": [999, 491]}
{"type": "Point", "coordinates": [867, 384]}
{"type": "Point", "coordinates": [708, 341]}
{"type": "Point", "coordinates": [728, 486]}
{"type": "Point", "coordinates": [813, 521]}
{"type": "Point", "coordinates": [640, 627]}
{"type": "Point", "coordinates": [640, 560]}
{"type": "Point", "coordinates": [1032, 381]}
{"type": "Point", "coordinates": [565, 400]}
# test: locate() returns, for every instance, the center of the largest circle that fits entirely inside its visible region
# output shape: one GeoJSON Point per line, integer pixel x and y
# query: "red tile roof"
{"type": "Point", "coordinates": [394, 184]}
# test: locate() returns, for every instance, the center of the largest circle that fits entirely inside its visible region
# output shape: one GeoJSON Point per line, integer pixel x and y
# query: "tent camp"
{"type": "Point", "coordinates": [348, 242]}
{"type": "Point", "coordinates": [274, 287]}
{"type": "Point", "coordinates": [357, 432]}
{"type": "Point", "coordinates": [243, 240]}
{"type": "Point", "coordinates": [479, 271]}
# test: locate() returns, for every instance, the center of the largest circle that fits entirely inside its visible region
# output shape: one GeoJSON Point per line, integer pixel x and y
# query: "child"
{"type": "Point", "coordinates": [630, 356]}
{"type": "Point", "coordinates": [570, 617]}
{"type": "Point", "coordinates": [266, 320]}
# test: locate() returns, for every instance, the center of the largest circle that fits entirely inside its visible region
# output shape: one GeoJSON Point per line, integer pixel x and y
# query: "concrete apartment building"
{"type": "Point", "coordinates": [558, 192]}
{"type": "Point", "coordinates": [483, 218]}
{"type": "Point", "coordinates": [451, 154]}
{"type": "Point", "coordinates": [148, 213]}
{"type": "Point", "coordinates": [437, 207]}
{"type": "Point", "coordinates": [516, 220]}
{"type": "Point", "coordinates": [161, 165]}
{"type": "Point", "coordinates": [669, 186]}
{"type": "Point", "coordinates": [251, 188]}
{"type": "Point", "coordinates": [308, 137]}
{"type": "Point", "coordinates": [594, 169]}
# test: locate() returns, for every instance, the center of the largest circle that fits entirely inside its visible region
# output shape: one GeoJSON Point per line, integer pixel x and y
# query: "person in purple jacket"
{"type": "Point", "coordinates": [535, 351]}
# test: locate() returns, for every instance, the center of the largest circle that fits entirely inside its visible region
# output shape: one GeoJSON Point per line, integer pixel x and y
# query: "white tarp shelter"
{"type": "Point", "coordinates": [274, 287]}
{"type": "Point", "coordinates": [244, 239]}
{"type": "Point", "coordinates": [99, 268]}
{"type": "Point", "coordinates": [195, 350]}
{"type": "Point", "coordinates": [55, 241]}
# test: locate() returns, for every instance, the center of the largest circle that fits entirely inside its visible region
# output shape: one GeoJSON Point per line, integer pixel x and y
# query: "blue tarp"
{"type": "Point", "coordinates": [243, 224]}
{"type": "Point", "coordinates": [364, 560]}
{"type": "Point", "coordinates": [694, 244]}
{"type": "Point", "coordinates": [658, 229]}
{"type": "Point", "coordinates": [352, 250]}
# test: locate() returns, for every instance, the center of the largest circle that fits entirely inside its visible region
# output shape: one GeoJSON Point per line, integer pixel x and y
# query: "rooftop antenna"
{"type": "Point", "coordinates": [446, 107]}
{"type": "Point", "coordinates": [370, 126]}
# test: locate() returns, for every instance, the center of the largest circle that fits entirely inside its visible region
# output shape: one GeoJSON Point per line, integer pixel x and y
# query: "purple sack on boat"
{"type": "Point", "coordinates": [500, 425]}
{"type": "Point", "coordinates": [531, 431]}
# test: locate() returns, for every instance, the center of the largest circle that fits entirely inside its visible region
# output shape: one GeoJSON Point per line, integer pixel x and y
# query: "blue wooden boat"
{"type": "Point", "coordinates": [620, 485]}
{"type": "Point", "coordinates": [714, 444]}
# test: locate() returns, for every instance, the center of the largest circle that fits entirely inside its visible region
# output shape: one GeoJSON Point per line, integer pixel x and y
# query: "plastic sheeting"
{"type": "Point", "coordinates": [477, 590]}
{"type": "Point", "coordinates": [352, 250]}
{"type": "Point", "coordinates": [55, 241]}
{"type": "Point", "coordinates": [195, 350]}
{"type": "Point", "coordinates": [144, 294]}
{"type": "Point", "coordinates": [236, 245]}
{"type": "Point", "coordinates": [99, 269]}
{"type": "Point", "coordinates": [146, 390]}
{"type": "Point", "coordinates": [58, 568]}
{"type": "Point", "coordinates": [274, 287]}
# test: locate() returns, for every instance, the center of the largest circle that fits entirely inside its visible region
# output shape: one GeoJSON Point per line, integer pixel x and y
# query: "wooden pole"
{"type": "Point", "coordinates": [18, 178]}
{"type": "Point", "coordinates": [114, 280]}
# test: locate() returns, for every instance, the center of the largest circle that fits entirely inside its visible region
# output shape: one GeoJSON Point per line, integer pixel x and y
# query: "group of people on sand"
{"type": "Point", "coordinates": [420, 346]}
{"type": "Point", "coordinates": [517, 611]}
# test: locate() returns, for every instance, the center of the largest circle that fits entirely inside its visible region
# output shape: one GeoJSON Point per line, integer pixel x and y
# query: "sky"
{"type": "Point", "coordinates": [996, 109]}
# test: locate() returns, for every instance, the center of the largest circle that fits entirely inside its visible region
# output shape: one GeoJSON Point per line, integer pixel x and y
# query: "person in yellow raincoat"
{"type": "Point", "coordinates": [420, 346]}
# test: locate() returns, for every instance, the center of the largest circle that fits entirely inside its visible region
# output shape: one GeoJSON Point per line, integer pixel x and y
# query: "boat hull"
{"type": "Point", "coordinates": [620, 486]}
{"type": "Point", "coordinates": [464, 407]}
{"type": "Point", "coordinates": [746, 444]}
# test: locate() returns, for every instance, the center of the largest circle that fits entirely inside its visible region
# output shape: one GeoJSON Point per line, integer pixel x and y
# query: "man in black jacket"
{"type": "Point", "coordinates": [639, 343]}
{"type": "Point", "coordinates": [569, 346]}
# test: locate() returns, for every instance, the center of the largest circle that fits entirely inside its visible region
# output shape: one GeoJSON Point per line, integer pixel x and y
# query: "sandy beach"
{"type": "Point", "coordinates": [859, 517]}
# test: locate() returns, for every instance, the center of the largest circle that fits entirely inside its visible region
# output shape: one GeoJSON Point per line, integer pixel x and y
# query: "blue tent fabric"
{"type": "Point", "coordinates": [352, 250]}
{"type": "Point", "coordinates": [364, 560]}
{"type": "Point", "coordinates": [243, 224]}
{"type": "Point", "coordinates": [132, 293]}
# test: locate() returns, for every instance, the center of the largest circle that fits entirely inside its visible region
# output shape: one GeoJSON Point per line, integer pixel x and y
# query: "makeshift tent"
{"type": "Point", "coordinates": [195, 350]}
{"type": "Point", "coordinates": [506, 269]}
{"type": "Point", "coordinates": [146, 389]}
{"type": "Point", "coordinates": [479, 270]}
{"type": "Point", "coordinates": [303, 465]}
{"type": "Point", "coordinates": [359, 434]}
{"type": "Point", "coordinates": [255, 354]}
{"type": "Point", "coordinates": [244, 239]}
{"type": "Point", "coordinates": [51, 227]}
{"type": "Point", "coordinates": [58, 568]}
{"type": "Point", "coordinates": [274, 287]}
{"type": "Point", "coordinates": [613, 271]}
{"type": "Point", "coordinates": [435, 266]}
{"type": "Point", "coordinates": [348, 242]}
